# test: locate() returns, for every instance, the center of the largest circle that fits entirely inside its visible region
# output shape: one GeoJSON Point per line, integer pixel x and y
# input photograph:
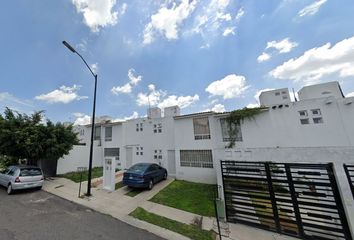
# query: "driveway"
{"type": "Point", "coordinates": [39, 215]}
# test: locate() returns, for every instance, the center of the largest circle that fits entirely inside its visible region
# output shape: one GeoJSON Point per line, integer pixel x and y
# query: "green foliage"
{"type": "Point", "coordinates": [237, 116]}
{"type": "Point", "coordinates": [188, 196]}
{"type": "Point", "coordinates": [26, 137]}
{"type": "Point", "coordinates": [191, 231]}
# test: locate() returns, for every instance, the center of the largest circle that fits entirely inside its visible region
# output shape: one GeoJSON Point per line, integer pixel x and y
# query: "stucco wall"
{"type": "Point", "coordinates": [79, 157]}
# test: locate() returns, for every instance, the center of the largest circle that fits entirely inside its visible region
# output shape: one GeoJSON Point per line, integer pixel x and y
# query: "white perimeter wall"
{"type": "Point", "coordinates": [335, 155]}
{"type": "Point", "coordinates": [79, 157]}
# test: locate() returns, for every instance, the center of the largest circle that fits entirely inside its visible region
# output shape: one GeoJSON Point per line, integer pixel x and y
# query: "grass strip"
{"type": "Point", "coordinates": [188, 196]}
{"type": "Point", "coordinates": [119, 185]}
{"type": "Point", "coordinates": [75, 176]}
{"type": "Point", "coordinates": [190, 231]}
{"type": "Point", "coordinates": [134, 192]}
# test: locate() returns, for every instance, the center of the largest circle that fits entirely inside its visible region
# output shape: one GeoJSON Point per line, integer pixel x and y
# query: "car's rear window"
{"type": "Point", "coordinates": [139, 168]}
{"type": "Point", "coordinates": [25, 172]}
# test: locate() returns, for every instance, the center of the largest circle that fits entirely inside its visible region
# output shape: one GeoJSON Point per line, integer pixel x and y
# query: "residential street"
{"type": "Point", "coordinates": [37, 215]}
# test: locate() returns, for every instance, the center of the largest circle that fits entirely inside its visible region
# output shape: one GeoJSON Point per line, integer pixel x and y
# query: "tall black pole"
{"type": "Point", "coordinates": [92, 136]}
{"type": "Point", "coordinates": [93, 117]}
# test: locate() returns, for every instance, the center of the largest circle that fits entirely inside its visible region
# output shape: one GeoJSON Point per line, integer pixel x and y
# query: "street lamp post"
{"type": "Point", "coordinates": [93, 117]}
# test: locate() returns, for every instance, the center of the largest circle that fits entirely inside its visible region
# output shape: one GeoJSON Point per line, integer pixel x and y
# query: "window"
{"type": "Point", "coordinates": [305, 121]}
{"type": "Point", "coordinates": [111, 152]}
{"type": "Point", "coordinates": [235, 129]}
{"type": "Point", "coordinates": [141, 127]}
{"type": "Point", "coordinates": [303, 113]}
{"type": "Point", "coordinates": [158, 154]}
{"type": "Point", "coordinates": [196, 158]}
{"type": "Point", "coordinates": [26, 172]}
{"type": "Point", "coordinates": [137, 127]}
{"type": "Point", "coordinates": [277, 93]}
{"type": "Point", "coordinates": [157, 128]}
{"type": "Point", "coordinates": [82, 132]}
{"type": "Point", "coordinates": [108, 134]}
{"type": "Point", "coordinates": [285, 97]}
{"type": "Point", "coordinates": [97, 133]}
{"type": "Point", "coordinates": [316, 112]}
{"type": "Point", "coordinates": [201, 128]}
{"type": "Point", "coordinates": [317, 120]}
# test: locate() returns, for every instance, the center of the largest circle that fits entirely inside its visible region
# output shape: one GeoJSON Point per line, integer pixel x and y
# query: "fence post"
{"type": "Point", "coordinates": [272, 197]}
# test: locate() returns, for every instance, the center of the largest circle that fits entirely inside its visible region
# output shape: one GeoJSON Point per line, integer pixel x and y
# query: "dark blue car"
{"type": "Point", "coordinates": [144, 175]}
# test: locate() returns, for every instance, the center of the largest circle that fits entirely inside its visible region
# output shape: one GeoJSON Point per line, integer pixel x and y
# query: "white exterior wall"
{"type": "Point", "coordinates": [79, 157]}
{"type": "Point", "coordinates": [184, 140]}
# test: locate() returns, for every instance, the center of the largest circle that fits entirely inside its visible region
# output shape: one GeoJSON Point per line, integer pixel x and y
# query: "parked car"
{"type": "Point", "coordinates": [21, 177]}
{"type": "Point", "coordinates": [144, 175]}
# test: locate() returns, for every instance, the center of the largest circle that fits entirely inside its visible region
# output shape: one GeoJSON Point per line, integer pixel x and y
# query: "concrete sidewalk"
{"type": "Point", "coordinates": [118, 205]}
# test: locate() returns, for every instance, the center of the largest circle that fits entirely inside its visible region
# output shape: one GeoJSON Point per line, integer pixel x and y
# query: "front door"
{"type": "Point", "coordinates": [129, 157]}
{"type": "Point", "coordinates": [171, 162]}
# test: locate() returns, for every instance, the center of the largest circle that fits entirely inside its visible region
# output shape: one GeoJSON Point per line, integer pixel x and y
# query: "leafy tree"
{"type": "Point", "coordinates": [27, 137]}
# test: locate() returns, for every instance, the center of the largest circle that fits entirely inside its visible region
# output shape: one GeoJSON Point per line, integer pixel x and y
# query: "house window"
{"type": "Point", "coordinates": [97, 133]}
{"type": "Point", "coordinates": [277, 93]}
{"type": "Point", "coordinates": [303, 113]}
{"type": "Point", "coordinates": [158, 154]}
{"type": "Point", "coordinates": [196, 158]}
{"type": "Point", "coordinates": [111, 152]}
{"type": "Point", "coordinates": [201, 128]}
{"type": "Point", "coordinates": [235, 129]}
{"type": "Point", "coordinates": [157, 128]}
{"type": "Point", "coordinates": [141, 127]}
{"type": "Point", "coordinates": [108, 134]}
{"type": "Point", "coordinates": [137, 127]}
{"type": "Point", "coordinates": [317, 120]}
{"type": "Point", "coordinates": [316, 112]}
{"type": "Point", "coordinates": [82, 132]}
{"type": "Point", "coordinates": [304, 121]}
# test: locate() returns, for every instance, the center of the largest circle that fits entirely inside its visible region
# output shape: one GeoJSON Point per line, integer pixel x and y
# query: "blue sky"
{"type": "Point", "coordinates": [199, 54]}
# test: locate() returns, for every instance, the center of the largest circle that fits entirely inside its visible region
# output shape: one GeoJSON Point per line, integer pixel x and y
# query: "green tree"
{"type": "Point", "coordinates": [27, 137]}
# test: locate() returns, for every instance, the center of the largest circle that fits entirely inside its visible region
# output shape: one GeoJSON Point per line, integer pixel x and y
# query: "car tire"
{"type": "Point", "coordinates": [165, 176]}
{"type": "Point", "coordinates": [9, 189]}
{"type": "Point", "coordinates": [151, 184]}
{"type": "Point", "coordinates": [39, 188]}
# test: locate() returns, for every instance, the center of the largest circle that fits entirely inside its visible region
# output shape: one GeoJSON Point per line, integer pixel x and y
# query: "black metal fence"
{"type": "Point", "coordinates": [300, 200]}
{"type": "Point", "coordinates": [349, 171]}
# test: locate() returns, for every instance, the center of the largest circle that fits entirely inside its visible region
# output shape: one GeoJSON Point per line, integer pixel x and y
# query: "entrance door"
{"type": "Point", "coordinates": [171, 162]}
{"type": "Point", "coordinates": [129, 157]}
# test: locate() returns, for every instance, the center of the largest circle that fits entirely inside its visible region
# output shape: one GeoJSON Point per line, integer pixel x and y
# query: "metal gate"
{"type": "Point", "coordinates": [349, 171]}
{"type": "Point", "coordinates": [300, 200]}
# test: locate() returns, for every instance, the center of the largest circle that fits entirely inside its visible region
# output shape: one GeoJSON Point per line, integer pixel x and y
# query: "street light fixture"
{"type": "Point", "coordinates": [93, 117]}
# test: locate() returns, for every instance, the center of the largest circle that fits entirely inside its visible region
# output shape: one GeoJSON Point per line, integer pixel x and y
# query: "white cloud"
{"type": "Point", "coordinates": [152, 98]}
{"type": "Point", "coordinates": [82, 119]}
{"type": "Point", "coordinates": [350, 94]}
{"type": "Point", "coordinates": [229, 31]}
{"type": "Point", "coordinates": [62, 95]}
{"type": "Point", "coordinates": [252, 105]}
{"type": "Point", "coordinates": [283, 46]}
{"type": "Point", "coordinates": [98, 14]}
{"type": "Point", "coordinates": [128, 87]}
{"type": "Point", "coordinates": [181, 101]}
{"type": "Point", "coordinates": [15, 103]}
{"type": "Point", "coordinates": [263, 57]}
{"type": "Point", "coordinates": [317, 63]}
{"type": "Point", "coordinates": [133, 116]}
{"type": "Point", "coordinates": [218, 108]}
{"type": "Point", "coordinates": [168, 20]}
{"type": "Point", "coordinates": [311, 9]}
{"type": "Point", "coordinates": [240, 14]}
{"type": "Point", "coordinates": [231, 86]}
{"type": "Point", "coordinates": [94, 68]}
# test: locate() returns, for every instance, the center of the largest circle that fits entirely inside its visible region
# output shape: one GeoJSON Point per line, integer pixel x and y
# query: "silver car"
{"type": "Point", "coordinates": [21, 177]}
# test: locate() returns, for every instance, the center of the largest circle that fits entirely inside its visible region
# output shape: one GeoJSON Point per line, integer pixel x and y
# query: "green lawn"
{"type": "Point", "coordinates": [75, 176]}
{"type": "Point", "coordinates": [190, 231]}
{"type": "Point", "coordinates": [119, 185]}
{"type": "Point", "coordinates": [191, 197]}
{"type": "Point", "coordinates": [134, 192]}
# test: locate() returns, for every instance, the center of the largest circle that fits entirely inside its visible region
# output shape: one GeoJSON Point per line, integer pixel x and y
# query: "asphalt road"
{"type": "Point", "coordinates": [37, 215]}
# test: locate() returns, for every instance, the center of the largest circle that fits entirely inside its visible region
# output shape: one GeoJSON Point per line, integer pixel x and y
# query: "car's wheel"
{"type": "Point", "coordinates": [151, 184]}
{"type": "Point", "coordinates": [39, 188]}
{"type": "Point", "coordinates": [9, 189]}
{"type": "Point", "coordinates": [165, 176]}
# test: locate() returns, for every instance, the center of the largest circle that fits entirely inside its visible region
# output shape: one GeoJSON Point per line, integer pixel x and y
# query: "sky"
{"type": "Point", "coordinates": [202, 55]}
